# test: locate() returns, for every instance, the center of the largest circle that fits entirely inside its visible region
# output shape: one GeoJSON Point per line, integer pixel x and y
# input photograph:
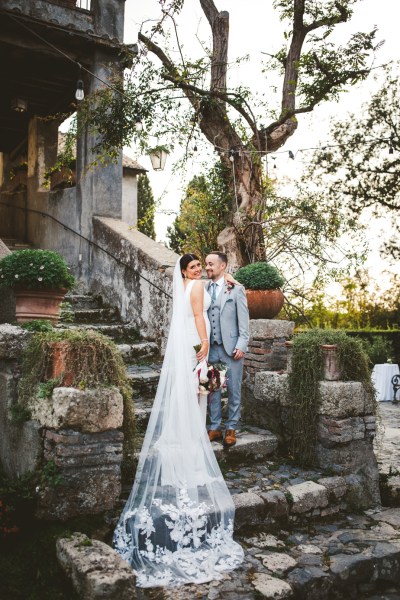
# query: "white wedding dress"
{"type": "Point", "coordinates": [177, 525]}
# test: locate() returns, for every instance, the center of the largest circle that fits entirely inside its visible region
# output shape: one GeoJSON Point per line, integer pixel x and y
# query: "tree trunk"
{"type": "Point", "coordinates": [243, 239]}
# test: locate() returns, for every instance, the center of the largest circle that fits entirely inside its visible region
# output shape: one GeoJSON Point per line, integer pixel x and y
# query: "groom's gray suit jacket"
{"type": "Point", "coordinates": [233, 323]}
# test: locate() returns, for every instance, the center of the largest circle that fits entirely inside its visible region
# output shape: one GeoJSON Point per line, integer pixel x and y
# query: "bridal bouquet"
{"type": "Point", "coordinates": [211, 377]}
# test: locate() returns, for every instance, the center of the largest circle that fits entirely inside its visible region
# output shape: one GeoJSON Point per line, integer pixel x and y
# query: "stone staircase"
{"type": "Point", "coordinates": [300, 536]}
{"type": "Point", "coordinates": [15, 244]}
{"type": "Point", "coordinates": [143, 363]}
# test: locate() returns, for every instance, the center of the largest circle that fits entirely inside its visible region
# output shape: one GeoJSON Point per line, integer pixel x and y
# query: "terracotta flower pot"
{"type": "Point", "coordinates": [264, 304]}
{"type": "Point", "coordinates": [332, 371]}
{"type": "Point", "coordinates": [59, 366]}
{"type": "Point", "coordinates": [38, 304]}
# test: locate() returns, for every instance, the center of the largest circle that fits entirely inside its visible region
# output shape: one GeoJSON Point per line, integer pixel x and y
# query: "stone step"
{"type": "Point", "coordinates": [15, 244]}
{"type": "Point", "coordinates": [84, 301]}
{"type": "Point", "coordinates": [250, 446]}
{"type": "Point", "coordinates": [139, 351]}
{"type": "Point", "coordinates": [144, 379]}
{"type": "Point", "coordinates": [104, 315]}
{"type": "Point", "coordinates": [118, 332]}
{"type": "Point", "coordinates": [142, 408]}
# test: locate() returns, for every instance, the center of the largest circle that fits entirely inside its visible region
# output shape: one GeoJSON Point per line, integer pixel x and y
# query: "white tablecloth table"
{"type": "Point", "coordinates": [382, 380]}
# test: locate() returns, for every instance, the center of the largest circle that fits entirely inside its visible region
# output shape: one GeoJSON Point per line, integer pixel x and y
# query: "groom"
{"type": "Point", "coordinates": [229, 319]}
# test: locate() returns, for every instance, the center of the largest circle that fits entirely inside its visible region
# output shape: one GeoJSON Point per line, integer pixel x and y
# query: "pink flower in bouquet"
{"type": "Point", "coordinates": [211, 377]}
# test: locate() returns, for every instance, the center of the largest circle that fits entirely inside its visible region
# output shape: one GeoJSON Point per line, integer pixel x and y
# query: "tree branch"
{"type": "Point", "coordinates": [219, 24]}
{"type": "Point", "coordinates": [342, 17]}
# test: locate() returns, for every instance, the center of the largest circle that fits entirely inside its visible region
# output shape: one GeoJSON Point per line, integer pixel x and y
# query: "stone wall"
{"type": "Point", "coordinates": [139, 282]}
{"type": "Point", "coordinates": [7, 299]}
{"type": "Point", "coordinates": [345, 416]}
{"type": "Point", "coordinates": [73, 439]}
{"type": "Point", "coordinates": [20, 444]}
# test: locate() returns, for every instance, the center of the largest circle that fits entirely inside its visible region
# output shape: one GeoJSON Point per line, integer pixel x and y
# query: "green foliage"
{"type": "Point", "coordinates": [203, 214]}
{"type": "Point", "coordinates": [145, 207]}
{"type": "Point", "coordinates": [45, 388]}
{"type": "Point", "coordinates": [19, 414]}
{"type": "Point", "coordinates": [38, 325]}
{"type": "Point", "coordinates": [15, 494]}
{"type": "Point", "coordinates": [23, 166]}
{"type": "Point", "coordinates": [50, 475]}
{"type": "Point", "coordinates": [360, 304]}
{"type": "Point", "coordinates": [94, 361]}
{"type": "Point", "coordinates": [304, 383]}
{"type": "Point", "coordinates": [357, 169]}
{"type": "Point", "coordinates": [35, 269]}
{"type": "Point", "coordinates": [379, 350]}
{"type": "Point", "coordinates": [67, 156]}
{"type": "Point", "coordinates": [260, 276]}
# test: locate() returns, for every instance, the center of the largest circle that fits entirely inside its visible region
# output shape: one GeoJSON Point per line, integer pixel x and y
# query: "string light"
{"type": "Point", "coordinates": [291, 155]}
{"type": "Point", "coordinates": [79, 94]}
{"type": "Point", "coordinates": [138, 123]}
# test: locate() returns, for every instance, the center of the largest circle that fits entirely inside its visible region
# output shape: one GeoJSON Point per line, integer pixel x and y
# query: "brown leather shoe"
{"type": "Point", "coordinates": [230, 437]}
{"type": "Point", "coordinates": [214, 435]}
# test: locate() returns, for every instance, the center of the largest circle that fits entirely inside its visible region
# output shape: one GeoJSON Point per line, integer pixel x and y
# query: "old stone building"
{"type": "Point", "coordinates": [47, 47]}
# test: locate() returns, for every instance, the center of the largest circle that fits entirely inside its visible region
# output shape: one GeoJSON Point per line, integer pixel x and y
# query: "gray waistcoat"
{"type": "Point", "coordinates": [214, 315]}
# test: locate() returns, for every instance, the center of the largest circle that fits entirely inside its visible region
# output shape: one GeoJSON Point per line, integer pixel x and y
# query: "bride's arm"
{"type": "Point", "coordinates": [229, 279]}
{"type": "Point", "coordinates": [197, 300]}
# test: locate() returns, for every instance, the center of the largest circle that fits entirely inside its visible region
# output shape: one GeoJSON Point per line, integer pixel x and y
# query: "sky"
{"type": "Point", "coordinates": [254, 30]}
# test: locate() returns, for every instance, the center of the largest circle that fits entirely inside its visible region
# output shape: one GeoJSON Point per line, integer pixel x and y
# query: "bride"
{"type": "Point", "coordinates": [177, 524]}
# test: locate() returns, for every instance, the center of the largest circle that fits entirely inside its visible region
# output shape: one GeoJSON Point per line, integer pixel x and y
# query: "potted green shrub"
{"type": "Point", "coordinates": [40, 279]}
{"type": "Point", "coordinates": [262, 282]}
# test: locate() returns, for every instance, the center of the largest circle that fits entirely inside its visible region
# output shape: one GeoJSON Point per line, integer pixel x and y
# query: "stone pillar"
{"type": "Point", "coordinates": [83, 445]}
{"type": "Point", "coordinates": [267, 350]}
{"type": "Point", "coordinates": [42, 150]}
{"type": "Point", "coordinates": [7, 299]}
{"type": "Point", "coordinates": [346, 429]}
{"type": "Point", "coordinates": [73, 439]}
{"type": "Point", "coordinates": [20, 443]}
{"type": "Point", "coordinates": [267, 355]}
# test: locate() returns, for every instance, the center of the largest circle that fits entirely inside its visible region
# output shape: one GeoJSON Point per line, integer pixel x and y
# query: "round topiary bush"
{"type": "Point", "coordinates": [35, 270]}
{"type": "Point", "coordinates": [260, 276]}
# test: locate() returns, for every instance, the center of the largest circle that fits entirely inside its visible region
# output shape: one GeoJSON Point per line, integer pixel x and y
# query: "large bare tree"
{"type": "Point", "coordinates": [312, 69]}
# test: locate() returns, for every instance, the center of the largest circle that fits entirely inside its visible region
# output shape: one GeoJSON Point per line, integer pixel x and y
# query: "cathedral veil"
{"type": "Point", "coordinates": [177, 524]}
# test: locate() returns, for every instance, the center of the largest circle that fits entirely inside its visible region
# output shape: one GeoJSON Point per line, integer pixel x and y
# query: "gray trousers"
{"type": "Point", "coordinates": [234, 383]}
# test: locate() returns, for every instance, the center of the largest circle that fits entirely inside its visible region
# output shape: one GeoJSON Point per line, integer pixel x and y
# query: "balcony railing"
{"type": "Point", "coordinates": [83, 4]}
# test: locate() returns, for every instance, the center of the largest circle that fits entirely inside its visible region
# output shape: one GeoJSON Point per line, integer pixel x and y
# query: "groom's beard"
{"type": "Point", "coordinates": [214, 277]}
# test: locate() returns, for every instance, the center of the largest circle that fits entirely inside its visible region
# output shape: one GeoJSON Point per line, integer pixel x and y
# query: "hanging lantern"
{"type": "Point", "coordinates": [19, 105]}
{"type": "Point", "coordinates": [158, 157]}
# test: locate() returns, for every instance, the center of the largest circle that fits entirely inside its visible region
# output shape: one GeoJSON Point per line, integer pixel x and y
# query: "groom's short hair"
{"type": "Point", "coordinates": [221, 255]}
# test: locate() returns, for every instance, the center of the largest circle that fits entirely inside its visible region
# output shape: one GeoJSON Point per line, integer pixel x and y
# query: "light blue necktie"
{"type": "Point", "coordinates": [214, 292]}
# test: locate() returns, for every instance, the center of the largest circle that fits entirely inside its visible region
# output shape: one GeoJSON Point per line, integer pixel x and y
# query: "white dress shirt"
{"type": "Point", "coordinates": [220, 284]}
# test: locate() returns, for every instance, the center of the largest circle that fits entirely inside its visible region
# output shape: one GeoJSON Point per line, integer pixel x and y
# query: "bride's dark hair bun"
{"type": "Point", "coordinates": [186, 259]}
